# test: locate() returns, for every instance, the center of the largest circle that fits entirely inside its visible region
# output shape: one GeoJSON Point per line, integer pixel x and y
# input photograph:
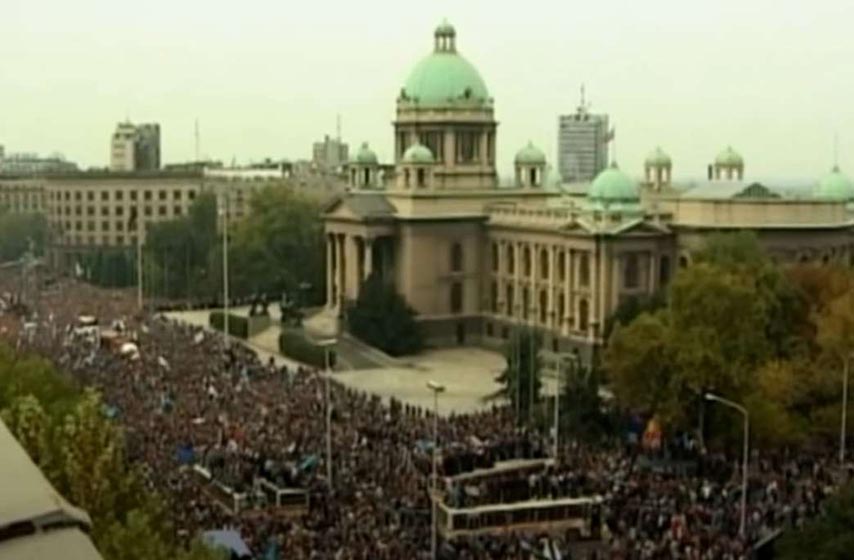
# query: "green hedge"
{"type": "Point", "coordinates": [237, 326]}
{"type": "Point", "coordinates": [294, 345]}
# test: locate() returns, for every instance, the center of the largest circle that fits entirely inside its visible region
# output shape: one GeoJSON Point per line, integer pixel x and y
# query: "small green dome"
{"type": "Point", "coordinates": [418, 154]}
{"type": "Point", "coordinates": [530, 155]}
{"type": "Point", "coordinates": [658, 158]}
{"type": "Point", "coordinates": [835, 185]}
{"type": "Point", "coordinates": [366, 155]}
{"type": "Point", "coordinates": [729, 157]}
{"type": "Point", "coordinates": [446, 29]}
{"type": "Point", "coordinates": [613, 185]}
{"type": "Point", "coordinates": [444, 77]}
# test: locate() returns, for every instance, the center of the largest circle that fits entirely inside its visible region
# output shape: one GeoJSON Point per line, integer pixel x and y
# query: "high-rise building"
{"type": "Point", "coordinates": [135, 147]}
{"type": "Point", "coordinates": [582, 144]}
{"type": "Point", "coordinates": [330, 154]}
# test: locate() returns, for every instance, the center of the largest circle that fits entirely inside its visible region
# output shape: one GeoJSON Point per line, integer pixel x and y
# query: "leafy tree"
{"type": "Point", "coordinates": [281, 246]}
{"type": "Point", "coordinates": [20, 233]}
{"type": "Point", "coordinates": [382, 318]}
{"type": "Point", "coordinates": [630, 308]}
{"type": "Point", "coordinates": [520, 380]}
{"type": "Point", "coordinates": [829, 537]}
{"type": "Point", "coordinates": [581, 409]}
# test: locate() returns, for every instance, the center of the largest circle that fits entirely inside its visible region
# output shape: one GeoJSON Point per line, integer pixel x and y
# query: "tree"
{"type": "Point", "coordinates": [520, 380]}
{"type": "Point", "coordinates": [20, 233]}
{"type": "Point", "coordinates": [382, 318]}
{"type": "Point", "coordinates": [280, 248]}
{"type": "Point", "coordinates": [829, 537]}
{"type": "Point", "coordinates": [630, 308]}
{"type": "Point", "coordinates": [581, 406]}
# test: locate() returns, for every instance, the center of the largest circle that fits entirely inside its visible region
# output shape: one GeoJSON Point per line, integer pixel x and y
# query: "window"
{"type": "Point", "coordinates": [162, 195]}
{"type": "Point", "coordinates": [406, 178]}
{"type": "Point", "coordinates": [177, 210]}
{"type": "Point", "coordinates": [120, 240]}
{"type": "Point", "coordinates": [420, 178]}
{"type": "Point", "coordinates": [561, 308]}
{"type": "Point", "coordinates": [489, 331]}
{"type": "Point", "coordinates": [78, 225]}
{"type": "Point", "coordinates": [105, 226]}
{"type": "Point", "coordinates": [191, 195]}
{"type": "Point", "coordinates": [90, 210]}
{"type": "Point", "coordinates": [146, 195]}
{"type": "Point", "coordinates": [631, 274]}
{"type": "Point", "coordinates": [105, 210]}
{"type": "Point", "coordinates": [176, 195]}
{"type": "Point", "coordinates": [119, 195]}
{"type": "Point", "coordinates": [468, 146]}
{"type": "Point", "coordinates": [90, 225]}
{"type": "Point", "coordinates": [147, 211]}
{"type": "Point", "coordinates": [493, 297]}
{"type": "Point", "coordinates": [494, 257]}
{"type": "Point", "coordinates": [456, 297]}
{"type": "Point", "coordinates": [105, 196]}
{"type": "Point", "coordinates": [120, 211]}
{"type": "Point", "coordinates": [120, 225]}
{"type": "Point", "coordinates": [526, 257]}
{"type": "Point", "coordinates": [456, 257]}
{"type": "Point", "coordinates": [505, 333]}
{"type": "Point", "coordinates": [133, 195]}
{"type": "Point", "coordinates": [561, 265]}
{"type": "Point", "coordinates": [509, 298]}
{"type": "Point", "coordinates": [584, 269]}
{"type": "Point", "coordinates": [583, 315]}
{"type": "Point", "coordinates": [78, 195]}
{"type": "Point", "coordinates": [664, 270]}
{"type": "Point", "coordinates": [544, 306]}
{"type": "Point", "coordinates": [511, 259]}
{"type": "Point", "coordinates": [526, 302]}
{"type": "Point", "coordinates": [161, 210]}
{"type": "Point", "coordinates": [544, 264]}
{"type": "Point", "coordinates": [90, 196]}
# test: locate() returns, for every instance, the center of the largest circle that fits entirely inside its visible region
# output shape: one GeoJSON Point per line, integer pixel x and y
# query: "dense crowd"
{"type": "Point", "coordinates": [188, 397]}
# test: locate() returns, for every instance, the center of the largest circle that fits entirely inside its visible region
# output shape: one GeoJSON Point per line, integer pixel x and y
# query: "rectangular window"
{"type": "Point", "coordinates": [133, 195]}
{"type": "Point", "coordinates": [105, 196]}
{"type": "Point", "coordinates": [162, 195]}
{"type": "Point", "coordinates": [147, 211]}
{"type": "Point", "coordinates": [584, 269]}
{"type": "Point", "coordinates": [146, 195]}
{"type": "Point", "coordinates": [105, 226]}
{"type": "Point", "coordinates": [105, 210]}
{"type": "Point", "coordinates": [177, 195]}
{"type": "Point", "coordinates": [120, 225]}
{"type": "Point", "coordinates": [161, 211]}
{"type": "Point", "coordinates": [90, 196]}
{"type": "Point", "coordinates": [119, 195]}
{"type": "Point", "coordinates": [120, 211]}
{"type": "Point", "coordinates": [90, 210]}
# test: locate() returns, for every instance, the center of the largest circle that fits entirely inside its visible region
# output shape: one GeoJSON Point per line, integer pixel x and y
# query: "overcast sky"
{"type": "Point", "coordinates": [774, 78]}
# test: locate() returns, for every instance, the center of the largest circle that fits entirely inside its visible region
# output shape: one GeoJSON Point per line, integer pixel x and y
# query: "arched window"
{"type": "Point", "coordinates": [511, 259]}
{"type": "Point", "coordinates": [544, 264]}
{"type": "Point", "coordinates": [526, 302]}
{"type": "Point", "coordinates": [456, 297]}
{"type": "Point", "coordinates": [584, 269]}
{"type": "Point", "coordinates": [526, 257]}
{"type": "Point", "coordinates": [533, 177]}
{"type": "Point", "coordinates": [509, 300]}
{"type": "Point", "coordinates": [583, 315]}
{"type": "Point", "coordinates": [493, 296]}
{"type": "Point", "coordinates": [561, 308]}
{"type": "Point", "coordinates": [683, 262]}
{"type": "Point", "coordinates": [494, 256]}
{"type": "Point", "coordinates": [367, 180]}
{"type": "Point", "coordinates": [456, 257]}
{"type": "Point", "coordinates": [561, 265]}
{"type": "Point", "coordinates": [406, 178]}
{"type": "Point", "coordinates": [631, 274]}
{"type": "Point", "coordinates": [544, 306]}
{"type": "Point", "coordinates": [420, 178]}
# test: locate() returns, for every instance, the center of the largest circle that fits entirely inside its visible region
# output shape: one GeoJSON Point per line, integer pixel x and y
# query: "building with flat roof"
{"type": "Point", "coordinates": [476, 259]}
{"type": "Point", "coordinates": [330, 154]}
{"type": "Point", "coordinates": [135, 147]}
{"type": "Point", "coordinates": [582, 142]}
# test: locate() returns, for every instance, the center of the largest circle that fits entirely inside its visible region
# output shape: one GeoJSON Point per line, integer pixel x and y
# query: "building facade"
{"type": "Point", "coordinates": [475, 260]}
{"type": "Point", "coordinates": [135, 147]}
{"type": "Point", "coordinates": [330, 154]}
{"type": "Point", "coordinates": [30, 165]}
{"type": "Point", "coordinates": [582, 142]}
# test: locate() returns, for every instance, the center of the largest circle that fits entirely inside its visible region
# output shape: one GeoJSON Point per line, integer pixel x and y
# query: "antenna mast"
{"type": "Point", "coordinates": [197, 140]}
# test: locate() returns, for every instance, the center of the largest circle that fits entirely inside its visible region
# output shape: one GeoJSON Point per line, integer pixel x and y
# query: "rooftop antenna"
{"type": "Point", "coordinates": [338, 126]}
{"type": "Point", "coordinates": [582, 108]}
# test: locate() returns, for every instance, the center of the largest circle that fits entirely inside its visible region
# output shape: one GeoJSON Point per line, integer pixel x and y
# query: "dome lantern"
{"type": "Point", "coordinates": [613, 189]}
{"type": "Point", "coordinates": [658, 167]}
{"type": "Point", "coordinates": [363, 169]}
{"type": "Point", "coordinates": [530, 163]}
{"type": "Point", "coordinates": [729, 165]}
{"type": "Point", "coordinates": [835, 186]}
{"type": "Point", "coordinates": [445, 35]}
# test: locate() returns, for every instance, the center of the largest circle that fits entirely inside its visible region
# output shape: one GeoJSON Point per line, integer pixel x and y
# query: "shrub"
{"type": "Point", "coordinates": [237, 326]}
{"type": "Point", "coordinates": [382, 318]}
{"type": "Point", "coordinates": [294, 345]}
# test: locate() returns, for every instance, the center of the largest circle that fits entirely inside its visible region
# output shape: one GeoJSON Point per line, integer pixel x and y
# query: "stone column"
{"type": "Point", "coordinates": [554, 320]}
{"type": "Point", "coordinates": [330, 271]}
{"type": "Point", "coordinates": [369, 256]}
{"type": "Point", "coordinates": [342, 270]}
{"type": "Point", "coordinates": [595, 287]}
{"type": "Point", "coordinates": [534, 307]}
{"type": "Point", "coordinates": [568, 287]}
{"type": "Point", "coordinates": [651, 279]}
{"type": "Point", "coordinates": [517, 280]}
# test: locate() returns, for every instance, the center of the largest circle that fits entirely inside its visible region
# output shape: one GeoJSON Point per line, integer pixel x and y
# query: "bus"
{"type": "Point", "coordinates": [583, 516]}
{"type": "Point", "coordinates": [287, 502]}
{"type": "Point", "coordinates": [502, 470]}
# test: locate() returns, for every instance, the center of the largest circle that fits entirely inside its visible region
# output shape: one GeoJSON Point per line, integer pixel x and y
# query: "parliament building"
{"type": "Point", "coordinates": [475, 258]}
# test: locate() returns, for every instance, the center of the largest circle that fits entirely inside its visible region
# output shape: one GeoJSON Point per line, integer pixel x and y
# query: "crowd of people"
{"type": "Point", "coordinates": [189, 397]}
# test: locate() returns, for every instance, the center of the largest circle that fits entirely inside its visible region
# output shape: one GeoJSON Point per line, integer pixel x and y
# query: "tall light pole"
{"type": "Point", "coordinates": [436, 388]}
{"type": "Point", "coordinates": [842, 428]}
{"type": "Point", "coordinates": [327, 346]}
{"type": "Point", "coordinates": [573, 359]}
{"type": "Point", "coordinates": [224, 213]}
{"type": "Point", "coordinates": [745, 454]}
{"type": "Point", "coordinates": [139, 301]}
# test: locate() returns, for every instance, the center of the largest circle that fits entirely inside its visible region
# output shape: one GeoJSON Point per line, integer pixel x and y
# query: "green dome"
{"type": "Point", "coordinates": [444, 77]}
{"type": "Point", "coordinates": [418, 154]}
{"type": "Point", "coordinates": [658, 158]}
{"type": "Point", "coordinates": [366, 155]}
{"type": "Point", "coordinates": [613, 185]}
{"type": "Point", "coordinates": [729, 157]}
{"type": "Point", "coordinates": [835, 185]}
{"type": "Point", "coordinates": [530, 155]}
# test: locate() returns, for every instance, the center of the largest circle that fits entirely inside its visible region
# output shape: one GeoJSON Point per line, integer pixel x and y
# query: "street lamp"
{"type": "Point", "coordinates": [327, 345]}
{"type": "Point", "coordinates": [743, 411]}
{"type": "Point", "coordinates": [572, 359]}
{"type": "Point", "coordinates": [436, 388]}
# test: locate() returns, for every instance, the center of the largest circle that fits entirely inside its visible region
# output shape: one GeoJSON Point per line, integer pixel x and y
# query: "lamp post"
{"type": "Point", "coordinates": [224, 213]}
{"type": "Point", "coordinates": [745, 451]}
{"type": "Point", "coordinates": [842, 428]}
{"type": "Point", "coordinates": [573, 359]}
{"type": "Point", "coordinates": [436, 388]}
{"type": "Point", "coordinates": [327, 345]}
